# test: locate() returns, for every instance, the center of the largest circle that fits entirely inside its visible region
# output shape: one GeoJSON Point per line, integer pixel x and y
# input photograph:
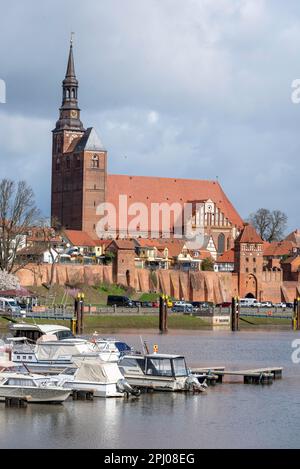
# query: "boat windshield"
{"type": "Point", "coordinates": [179, 367]}
{"type": "Point", "coordinates": [19, 382]}
{"type": "Point", "coordinates": [159, 367]}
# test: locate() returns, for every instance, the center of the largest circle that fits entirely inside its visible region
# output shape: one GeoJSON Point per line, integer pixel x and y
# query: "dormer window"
{"type": "Point", "coordinates": [95, 162]}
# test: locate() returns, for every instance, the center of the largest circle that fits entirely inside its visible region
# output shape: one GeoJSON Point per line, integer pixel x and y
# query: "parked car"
{"type": "Point", "coordinates": [182, 307]}
{"type": "Point", "coordinates": [290, 305]}
{"type": "Point", "coordinates": [120, 301]}
{"type": "Point", "coordinates": [10, 306]}
{"type": "Point", "coordinates": [198, 305]}
{"type": "Point", "coordinates": [136, 303]}
{"type": "Point", "coordinates": [266, 304]}
{"type": "Point", "coordinates": [280, 305]}
{"type": "Point", "coordinates": [225, 304]}
{"type": "Point", "coordinates": [147, 304]}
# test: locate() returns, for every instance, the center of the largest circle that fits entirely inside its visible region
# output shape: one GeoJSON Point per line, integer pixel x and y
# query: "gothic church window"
{"type": "Point", "coordinates": [221, 243]}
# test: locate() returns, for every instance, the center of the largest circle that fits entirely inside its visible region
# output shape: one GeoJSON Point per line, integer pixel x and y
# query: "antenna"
{"type": "Point", "coordinates": [72, 38]}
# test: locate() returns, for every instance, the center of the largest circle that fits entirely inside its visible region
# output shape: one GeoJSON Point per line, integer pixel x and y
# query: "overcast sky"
{"type": "Point", "coordinates": [176, 88]}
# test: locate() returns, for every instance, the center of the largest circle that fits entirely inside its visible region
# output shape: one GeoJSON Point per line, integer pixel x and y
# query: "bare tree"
{"type": "Point", "coordinates": [48, 234]}
{"type": "Point", "coordinates": [18, 213]}
{"type": "Point", "coordinates": [269, 224]}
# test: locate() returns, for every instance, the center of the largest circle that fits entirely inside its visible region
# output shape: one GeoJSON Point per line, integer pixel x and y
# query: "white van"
{"type": "Point", "coordinates": [9, 305]}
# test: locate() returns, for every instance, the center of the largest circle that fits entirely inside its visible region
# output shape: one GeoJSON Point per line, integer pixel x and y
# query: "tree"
{"type": "Point", "coordinates": [270, 225]}
{"type": "Point", "coordinates": [18, 213]}
{"type": "Point", "coordinates": [8, 281]}
{"type": "Point", "coordinates": [207, 264]}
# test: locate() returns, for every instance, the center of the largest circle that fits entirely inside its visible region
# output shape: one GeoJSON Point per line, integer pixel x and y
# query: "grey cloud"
{"type": "Point", "coordinates": [218, 74]}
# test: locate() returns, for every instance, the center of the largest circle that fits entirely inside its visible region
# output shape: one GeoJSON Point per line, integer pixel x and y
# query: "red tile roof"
{"type": "Point", "coordinates": [281, 248]}
{"type": "Point", "coordinates": [227, 257]}
{"type": "Point", "coordinates": [79, 238]}
{"type": "Point", "coordinates": [249, 235]}
{"type": "Point", "coordinates": [123, 244]}
{"type": "Point", "coordinates": [158, 190]}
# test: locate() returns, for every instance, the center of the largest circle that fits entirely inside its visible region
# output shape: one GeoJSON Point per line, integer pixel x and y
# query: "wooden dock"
{"type": "Point", "coordinates": [253, 376]}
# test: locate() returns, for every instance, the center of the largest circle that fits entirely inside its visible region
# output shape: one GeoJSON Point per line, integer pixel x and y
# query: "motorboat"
{"type": "Point", "coordinates": [53, 356]}
{"type": "Point", "coordinates": [111, 349]}
{"type": "Point", "coordinates": [33, 332]}
{"type": "Point", "coordinates": [159, 372]}
{"type": "Point", "coordinates": [32, 388]}
{"type": "Point", "coordinates": [103, 379]}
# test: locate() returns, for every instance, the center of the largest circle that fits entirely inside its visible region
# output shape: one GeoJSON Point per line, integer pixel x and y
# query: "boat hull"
{"type": "Point", "coordinates": [157, 383]}
{"type": "Point", "coordinates": [35, 394]}
{"type": "Point", "coordinates": [98, 389]}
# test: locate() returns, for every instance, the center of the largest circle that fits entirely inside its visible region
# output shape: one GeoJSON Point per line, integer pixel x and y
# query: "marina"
{"type": "Point", "coordinates": [227, 415]}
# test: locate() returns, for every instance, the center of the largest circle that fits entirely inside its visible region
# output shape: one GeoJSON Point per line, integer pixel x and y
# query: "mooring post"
{"type": "Point", "coordinates": [163, 315]}
{"type": "Point", "coordinates": [76, 315]}
{"type": "Point", "coordinates": [238, 311]}
{"type": "Point", "coordinates": [298, 314]}
{"type": "Point", "coordinates": [165, 324]}
{"type": "Point", "coordinates": [233, 315]}
{"type": "Point", "coordinates": [81, 311]}
{"type": "Point", "coordinates": [295, 314]}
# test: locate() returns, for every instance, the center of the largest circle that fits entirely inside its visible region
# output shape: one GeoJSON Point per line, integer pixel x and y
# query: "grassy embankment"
{"type": "Point", "coordinates": [176, 322]}
{"type": "Point", "coordinates": [93, 295]}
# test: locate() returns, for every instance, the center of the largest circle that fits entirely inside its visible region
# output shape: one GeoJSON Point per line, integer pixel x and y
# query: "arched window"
{"type": "Point", "coordinates": [68, 162]}
{"type": "Point", "coordinates": [58, 164]}
{"type": "Point", "coordinates": [73, 94]}
{"type": "Point", "coordinates": [95, 162]}
{"type": "Point", "coordinates": [67, 93]}
{"type": "Point", "coordinates": [221, 243]}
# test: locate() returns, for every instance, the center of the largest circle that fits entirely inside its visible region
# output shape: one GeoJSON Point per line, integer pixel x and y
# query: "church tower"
{"type": "Point", "coordinates": [79, 164]}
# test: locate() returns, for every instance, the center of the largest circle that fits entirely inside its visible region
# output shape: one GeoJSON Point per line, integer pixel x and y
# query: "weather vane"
{"type": "Point", "coordinates": [72, 38]}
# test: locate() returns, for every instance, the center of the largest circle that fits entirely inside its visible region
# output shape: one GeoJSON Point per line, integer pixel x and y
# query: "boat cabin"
{"type": "Point", "coordinates": [159, 365]}
{"type": "Point", "coordinates": [33, 332]}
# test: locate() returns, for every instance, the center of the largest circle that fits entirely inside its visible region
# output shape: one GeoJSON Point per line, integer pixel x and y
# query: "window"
{"type": "Point", "coordinates": [78, 162]}
{"type": "Point", "coordinates": [57, 167]}
{"type": "Point", "coordinates": [179, 367]}
{"type": "Point", "coordinates": [68, 162]}
{"type": "Point", "coordinates": [157, 367]}
{"type": "Point", "coordinates": [254, 259]}
{"type": "Point", "coordinates": [247, 270]}
{"type": "Point", "coordinates": [247, 259]}
{"type": "Point", "coordinates": [221, 243]}
{"type": "Point", "coordinates": [95, 162]}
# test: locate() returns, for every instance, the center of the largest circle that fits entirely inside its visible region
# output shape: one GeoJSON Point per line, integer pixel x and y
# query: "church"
{"type": "Point", "coordinates": [81, 183]}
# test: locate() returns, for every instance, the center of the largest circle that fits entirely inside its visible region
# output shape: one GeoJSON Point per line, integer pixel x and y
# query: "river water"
{"type": "Point", "coordinates": [231, 415]}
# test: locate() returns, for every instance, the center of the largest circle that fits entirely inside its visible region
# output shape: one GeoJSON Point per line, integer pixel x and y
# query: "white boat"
{"type": "Point", "coordinates": [103, 379]}
{"type": "Point", "coordinates": [54, 356]}
{"type": "Point", "coordinates": [159, 372]}
{"type": "Point", "coordinates": [35, 389]}
{"type": "Point", "coordinates": [33, 332]}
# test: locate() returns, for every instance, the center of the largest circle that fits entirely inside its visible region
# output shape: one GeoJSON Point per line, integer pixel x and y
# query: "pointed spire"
{"type": "Point", "coordinates": [69, 112]}
{"type": "Point", "coordinates": [71, 67]}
